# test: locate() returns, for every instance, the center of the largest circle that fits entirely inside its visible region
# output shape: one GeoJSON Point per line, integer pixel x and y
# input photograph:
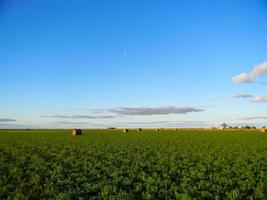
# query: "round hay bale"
{"type": "Point", "coordinates": [157, 129]}
{"type": "Point", "coordinates": [139, 129]}
{"type": "Point", "coordinates": [125, 130]}
{"type": "Point", "coordinates": [264, 130]}
{"type": "Point", "coordinates": [76, 132]}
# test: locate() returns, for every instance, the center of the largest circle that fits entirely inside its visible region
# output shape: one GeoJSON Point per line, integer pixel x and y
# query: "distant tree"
{"type": "Point", "coordinates": [247, 127]}
{"type": "Point", "coordinates": [264, 127]}
{"type": "Point", "coordinates": [224, 125]}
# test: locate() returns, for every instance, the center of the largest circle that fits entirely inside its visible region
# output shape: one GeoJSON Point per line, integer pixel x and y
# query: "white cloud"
{"type": "Point", "coordinates": [259, 99]}
{"type": "Point", "coordinates": [258, 70]}
{"type": "Point", "coordinates": [242, 78]}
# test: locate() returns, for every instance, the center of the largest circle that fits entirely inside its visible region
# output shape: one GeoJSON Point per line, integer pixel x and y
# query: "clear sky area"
{"type": "Point", "coordinates": [142, 63]}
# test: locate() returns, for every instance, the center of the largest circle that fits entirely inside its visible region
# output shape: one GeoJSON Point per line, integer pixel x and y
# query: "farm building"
{"type": "Point", "coordinates": [125, 130]}
{"type": "Point", "coordinates": [264, 130]}
{"type": "Point", "coordinates": [76, 132]}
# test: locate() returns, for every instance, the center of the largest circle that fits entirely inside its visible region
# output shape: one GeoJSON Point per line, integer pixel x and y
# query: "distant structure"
{"type": "Point", "coordinates": [126, 130]}
{"type": "Point", "coordinates": [176, 129]}
{"type": "Point", "coordinates": [76, 132]}
{"type": "Point", "coordinates": [111, 128]}
{"type": "Point", "coordinates": [139, 129]}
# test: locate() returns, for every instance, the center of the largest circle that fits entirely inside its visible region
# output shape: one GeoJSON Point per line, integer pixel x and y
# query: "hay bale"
{"type": "Point", "coordinates": [157, 129]}
{"type": "Point", "coordinates": [125, 130]}
{"type": "Point", "coordinates": [139, 129]}
{"type": "Point", "coordinates": [176, 129]}
{"type": "Point", "coordinates": [264, 130]}
{"type": "Point", "coordinates": [76, 132]}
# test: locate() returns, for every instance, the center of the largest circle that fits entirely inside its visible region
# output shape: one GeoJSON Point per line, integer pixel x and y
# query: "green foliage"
{"type": "Point", "coordinates": [109, 164]}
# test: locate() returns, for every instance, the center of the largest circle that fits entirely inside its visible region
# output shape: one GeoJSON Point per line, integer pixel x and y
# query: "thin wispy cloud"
{"type": "Point", "coordinates": [218, 98]}
{"type": "Point", "coordinates": [6, 124]}
{"type": "Point", "coordinates": [7, 120]}
{"type": "Point", "coordinates": [163, 124]}
{"type": "Point", "coordinates": [253, 118]}
{"type": "Point", "coordinates": [154, 110]}
{"type": "Point", "coordinates": [126, 112]}
{"type": "Point", "coordinates": [70, 123]}
{"type": "Point", "coordinates": [263, 82]}
{"type": "Point", "coordinates": [240, 96]}
{"type": "Point", "coordinates": [255, 124]}
{"type": "Point", "coordinates": [94, 111]}
{"type": "Point", "coordinates": [79, 116]}
{"type": "Point", "coordinates": [258, 70]}
{"type": "Point", "coordinates": [14, 126]}
{"type": "Point", "coordinates": [259, 99]}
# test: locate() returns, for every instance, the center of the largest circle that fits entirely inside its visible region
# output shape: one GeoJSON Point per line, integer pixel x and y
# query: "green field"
{"type": "Point", "coordinates": [109, 164]}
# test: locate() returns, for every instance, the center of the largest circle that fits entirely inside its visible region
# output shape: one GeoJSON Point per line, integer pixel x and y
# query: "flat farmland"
{"type": "Point", "coordinates": [110, 164]}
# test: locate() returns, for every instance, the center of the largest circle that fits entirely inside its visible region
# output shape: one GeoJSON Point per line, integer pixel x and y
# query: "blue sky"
{"type": "Point", "coordinates": [132, 63]}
